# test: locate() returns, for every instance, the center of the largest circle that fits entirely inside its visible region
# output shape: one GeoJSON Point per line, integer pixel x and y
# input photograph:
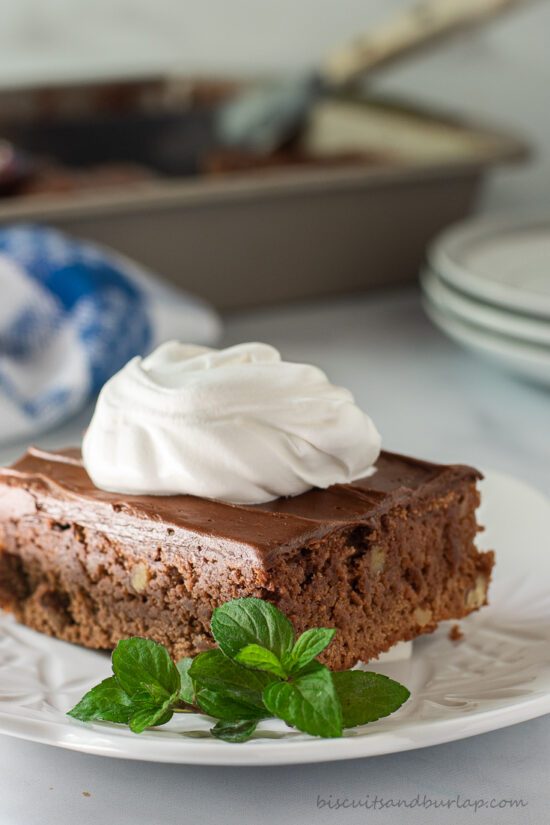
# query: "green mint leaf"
{"type": "Point", "coordinates": [308, 646]}
{"type": "Point", "coordinates": [249, 621]}
{"type": "Point", "coordinates": [238, 731]}
{"type": "Point", "coordinates": [149, 715]}
{"type": "Point", "coordinates": [104, 701]}
{"type": "Point", "coordinates": [166, 718]}
{"type": "Point", "coordinates": [187, 692]}
{"type": "Point", "coordinates": [230, 705]}
{"type": "Point", "coordinates": [144, 668]}
{"type": "Point", "coordinates": [365, 697]}
{"type": "Point", "coordinates": [261, 659]}
{"type": "Point", "coordinates": [212, 671]}
{"type": "Point", "coordinates": [308, 702]}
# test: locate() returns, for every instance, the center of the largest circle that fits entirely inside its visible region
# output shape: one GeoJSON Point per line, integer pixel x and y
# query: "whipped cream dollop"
{"type": "Point", "coordinates": [237, 424]}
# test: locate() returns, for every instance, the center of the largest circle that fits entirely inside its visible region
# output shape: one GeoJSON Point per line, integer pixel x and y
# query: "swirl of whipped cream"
{"type": "Point", "coordinates": [236, 424]}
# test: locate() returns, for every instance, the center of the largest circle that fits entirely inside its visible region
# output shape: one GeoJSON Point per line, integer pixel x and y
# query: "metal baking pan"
{"type": "Point", "coordinates": [381, 179]}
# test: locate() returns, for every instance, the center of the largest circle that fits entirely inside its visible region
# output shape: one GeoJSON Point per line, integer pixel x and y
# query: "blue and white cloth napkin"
{"type": "Point", "coordinates": [71, 314]}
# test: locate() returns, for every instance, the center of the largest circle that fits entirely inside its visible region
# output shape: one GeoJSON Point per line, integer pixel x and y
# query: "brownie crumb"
{"type": "Point", "coordinates": [455, 633]}
{"type": "Point", "coordinates": [85, 793]}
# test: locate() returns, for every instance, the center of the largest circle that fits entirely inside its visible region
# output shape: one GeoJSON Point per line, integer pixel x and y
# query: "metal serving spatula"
{"type": "Point", "coordinates": [264, 118]}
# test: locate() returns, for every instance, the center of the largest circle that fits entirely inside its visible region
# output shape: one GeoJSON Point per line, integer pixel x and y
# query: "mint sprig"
{"type": "Point", "coordinates": [227, 690]}
{"type": "Point", "coordinates": [105, 701]}
{"type": "Point", "coordinates": [308, 646]}
{"type": "Point", "coordinates": [146, 671]}
{"type": "Point", "coordinates": [308, 701]}
{"type": "Point", "coordinates": [259, 670]}
{"type": "Point", "coordinates": [187, 691]}
{"type": "Point", "coordinates": [248, 621]}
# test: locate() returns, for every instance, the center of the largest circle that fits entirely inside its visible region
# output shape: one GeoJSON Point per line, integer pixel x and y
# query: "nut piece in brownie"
{"type": "Point", "coordinates": [382, 559]}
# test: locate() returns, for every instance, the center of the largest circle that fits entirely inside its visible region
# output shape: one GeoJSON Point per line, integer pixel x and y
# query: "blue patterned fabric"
{"type": "Point", "coordinates": [71, 315]}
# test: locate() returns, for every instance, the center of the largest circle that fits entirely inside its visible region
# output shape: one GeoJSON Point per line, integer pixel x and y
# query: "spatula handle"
{"type": "Point", "coordinates": [412, 29]}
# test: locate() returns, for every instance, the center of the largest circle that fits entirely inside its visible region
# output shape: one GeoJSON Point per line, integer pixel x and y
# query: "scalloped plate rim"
{"type": "Point", "coordinates": [117, 742]}
{"type": "Point", "coordinates": [288, 752]}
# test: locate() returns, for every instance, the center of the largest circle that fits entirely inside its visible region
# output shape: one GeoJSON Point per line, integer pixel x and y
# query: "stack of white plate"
{"type": "Point", "coordinates": [487, 285]}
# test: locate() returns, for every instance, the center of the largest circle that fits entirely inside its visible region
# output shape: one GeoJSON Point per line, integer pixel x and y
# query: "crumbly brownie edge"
{"type": "Point", "coordinates": [389, 580]}
{"type": "Point", "coordinates": [385, 581]}
{"type": "Point", "coordinates": [80, 585]}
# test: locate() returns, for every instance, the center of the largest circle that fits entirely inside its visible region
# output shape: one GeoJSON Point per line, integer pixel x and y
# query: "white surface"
{"type": "Point", "coordinates": [498, 675]}
{"type": "Point", "coordinates": [432, 399]}
{"type": "Point", "coordinates": [504, 260]}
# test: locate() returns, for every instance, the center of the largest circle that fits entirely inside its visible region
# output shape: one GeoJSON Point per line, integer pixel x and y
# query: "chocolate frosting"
{"type": "Point", "coordinates": [56, 484]}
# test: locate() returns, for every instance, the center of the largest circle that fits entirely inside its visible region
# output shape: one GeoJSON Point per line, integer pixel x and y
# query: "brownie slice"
{"type": "Point", "coordinates": [383, 559]}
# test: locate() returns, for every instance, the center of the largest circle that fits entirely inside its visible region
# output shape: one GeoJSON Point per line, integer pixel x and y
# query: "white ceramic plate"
{"type": "Point", "coordinates": [497, 676]}
{"type": "Point", "coordinates": [487, 317]}
{"type": "Point", "coordinates": [528, 360]}
{"type": "Point", "coordinates": [503, 260]}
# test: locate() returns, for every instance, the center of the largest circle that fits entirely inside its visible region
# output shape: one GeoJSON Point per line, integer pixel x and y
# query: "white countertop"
{"type": "Point", "coordinates": [430, 399]}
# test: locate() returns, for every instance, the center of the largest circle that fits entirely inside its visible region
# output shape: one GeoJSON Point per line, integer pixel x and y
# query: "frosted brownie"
{"type": "Point", "coordinates": [382, 559]}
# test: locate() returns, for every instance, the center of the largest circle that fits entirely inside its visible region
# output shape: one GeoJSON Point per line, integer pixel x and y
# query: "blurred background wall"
{"type": "Point", "coordinates": [500, 74]}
